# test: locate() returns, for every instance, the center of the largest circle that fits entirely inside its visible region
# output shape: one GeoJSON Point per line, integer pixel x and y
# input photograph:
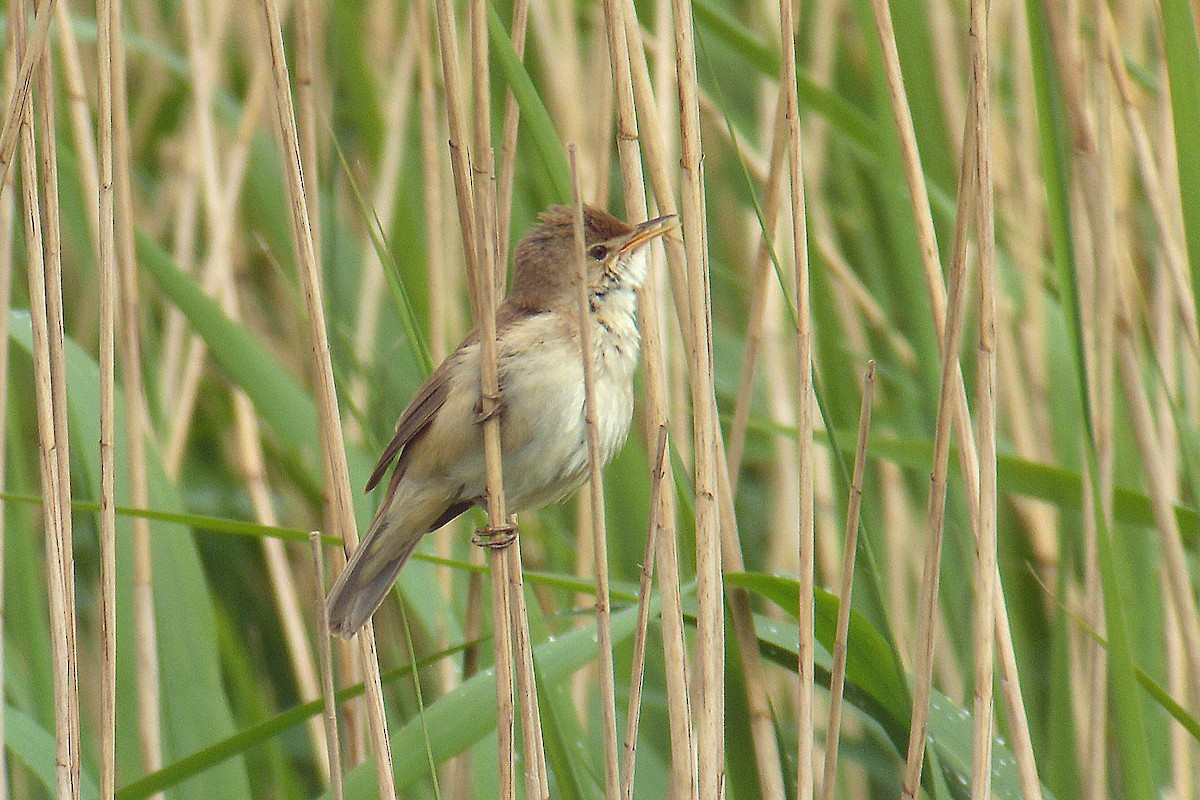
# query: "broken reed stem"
{"type": "Point", "coordinates": [608, 694]}
{"type": "Point", "coordinates": [986, 575]}
{"type": "Point", "coordinates": [658, 471]}
{"type": "Point", "coordinates": [805, 777]}
{"type": "Point", "coordinates": [107, 268]}
{"type": "Point", "coordinates": [838, 678]}
{"type": "Point", "coordinates": [621, 24]}
{"type": "Point", "coordinates": [333, 447]}
{"type": "Point", "coordinates": [710, 623]}
{"type": "Point", "coordinates": [31, 51]}
{"type": "Point", "coordinates": [329, 716]}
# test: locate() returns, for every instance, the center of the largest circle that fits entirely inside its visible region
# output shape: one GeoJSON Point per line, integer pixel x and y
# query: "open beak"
{"type": "Point", "coordinates": [648, 230]}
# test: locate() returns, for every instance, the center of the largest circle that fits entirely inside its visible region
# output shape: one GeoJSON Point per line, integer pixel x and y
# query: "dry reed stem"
{"type": "Point", "coordinates": [136, 425]}
{"type": "Point", "coordinates": [329, 716]}
{"type": "Point", "coordinates": [951, 385]}
{"type": "Point", "coordinates": [1171, 248]}
{"type": "Point", "coordinates": [838, 678]}
{"type": "Point", "coordinates": [66, 777]}
{"type": "Point", "coordinates": [620, 23]}
{"type": "Point", "coordinates": [305, 22]}
{"type": "Point", "coordinates": [986, 575]}
{"type": "Point", "coordinates": [762, 720]}
{"type": "Point", "coordinates": [30, 48]}
{"type": "Point", "coordinates": [489, 284]}
{"type": "Point", "coordinates": [645, 587]}
{"type": "Point", "coordinates": [7, 235]}
{"type": "Point", "coordinates": [608, 694]}
{"type": "Point", "coordinates": [537, 779]}
{"type": "Point", "coordinates": [333, 447]}
{"type": "Point", "coordinates": [805, 777]}
{"type": "Point", "coordinates": [710, 628]}
{"type": "Point", "coordinates": [80, 111]}
{"type": "Point", "coordinates": [761, 280]}
{"type": "Point", "coordinates": [1097, 319]}
{"type": "Point", "coordinates": [1159, 486]}
{"type": "Point", "coordinates": [383, 206]}
{"type": "Point", "coordinates": [52, 260]}
{"type": "Point", "coordinates": [107, 268]}
{"type": "Point", "coordinates": [508, 146]}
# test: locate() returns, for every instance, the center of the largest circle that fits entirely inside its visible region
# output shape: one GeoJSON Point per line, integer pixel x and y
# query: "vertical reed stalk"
{"type": "Point", "coordinates": [107, 267]}
{"type": "Point", "coordinates": [619, 21]}
{"type": "Point", "coordinates": [608, 700]}
{"type": "Point", "coordinates": [304, 18]}
{"type": "Point", "coordinates": [333, 446]}
{"type": "Point", "coordinates": [329, 716]}
{"type": "Point", "coordinates": [709, 608]}
{"type": "Point", "coordinates": [838, 679]}
{"type": "Point", "coordinates": [633, 717]}
{"type": "Point", "coordinates": [986, 577]}
{"type": "Point", "coordinates": [30, 49]}
{"type": "Point", "coordinates": [7, 231]}
{"type": "Point", "coordinates": [57, 557]}
{"type": "Point", "coordinates": [136, 425]}
{"type": "Point", "coordinates": [805, 778]}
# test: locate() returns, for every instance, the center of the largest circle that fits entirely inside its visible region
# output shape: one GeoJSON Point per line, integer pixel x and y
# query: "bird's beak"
{"type": "Point", "coordinates": [648, 230]}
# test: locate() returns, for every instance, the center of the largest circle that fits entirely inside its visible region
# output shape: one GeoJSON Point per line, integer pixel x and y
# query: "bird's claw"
{"type": "Point", "coordinates": [489, 405]}
{"type": "Point", "coordinates": [495, 537]}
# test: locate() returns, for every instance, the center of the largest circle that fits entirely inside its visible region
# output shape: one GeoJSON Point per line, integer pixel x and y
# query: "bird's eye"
{"type": "Point", "coordinates": [598, 252]}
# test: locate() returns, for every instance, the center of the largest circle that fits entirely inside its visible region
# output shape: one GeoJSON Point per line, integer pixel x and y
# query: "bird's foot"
{"type": "Point", "coordinates": [489, 405]}
{"type": "Point", "coordinates": [495, 537]}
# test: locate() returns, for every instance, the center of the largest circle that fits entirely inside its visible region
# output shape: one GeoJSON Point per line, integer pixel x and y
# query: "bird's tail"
{"type": "Point", "coordinates": [372, 570]}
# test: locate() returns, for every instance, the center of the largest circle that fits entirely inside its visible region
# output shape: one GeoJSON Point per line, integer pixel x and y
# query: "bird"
{"type": "Point", "coordinates": [438, 449]}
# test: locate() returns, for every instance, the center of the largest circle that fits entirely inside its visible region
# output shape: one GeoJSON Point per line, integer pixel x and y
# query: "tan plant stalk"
{"type": "Point", "coordinates": [838, 679]}
{"type": "Point", "coordinates": [30, 48]}
{"type": "Point", "coordinates": [508, 146]}
{"type": "Point", "coordinates": [805, 778]}
{"type": "Point", "coordinates": [1159, 486]}
{"type": "Point", "coordinates": [618, 24]}
{"type": "Point", "coordinates": [608, 699]}
{"type": "Point", "coordinates": [483, 297]}
{"type": "Point", "coordinates": [1171, 248]}
{"type": "Point", "coordinates": [80, 111]}
{"type": "Point", "coordinates": [136, 425]}
{"type": "Point", "coordinates": [710, 627]}
{"type": "Point", "coordinates": [761, 279]}
{"type": "Point", "coordinates": [107, 268]}
{"type": "Point", "coordinates": [951, 384]}
{"type": "Point", "coordinates": [383, 205]}
{"type": "Point", "coordinates": [7, 212]}
{"type": "Point", "coordinates": [333, 447]}
{"type": "Point", "coordinates": [537, 779]}
{"type": "Point", "coordinates": [329, 716]}
{"type": "Point", "coordinates": [645, 587]}
{"type": "Point", "coordinates": [304, 19]}
{"type": "Point", "coordinates": [986, 574]}
{"type": "Point", "coordinates": [57, 563]}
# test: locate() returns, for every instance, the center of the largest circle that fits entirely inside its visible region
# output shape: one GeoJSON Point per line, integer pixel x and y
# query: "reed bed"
{"type": "Point", "coordinates": [972, 574]}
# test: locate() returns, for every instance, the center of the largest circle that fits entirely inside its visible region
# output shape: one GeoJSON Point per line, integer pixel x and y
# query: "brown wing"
{"type": "Point", "coordinates": [416, 417]}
